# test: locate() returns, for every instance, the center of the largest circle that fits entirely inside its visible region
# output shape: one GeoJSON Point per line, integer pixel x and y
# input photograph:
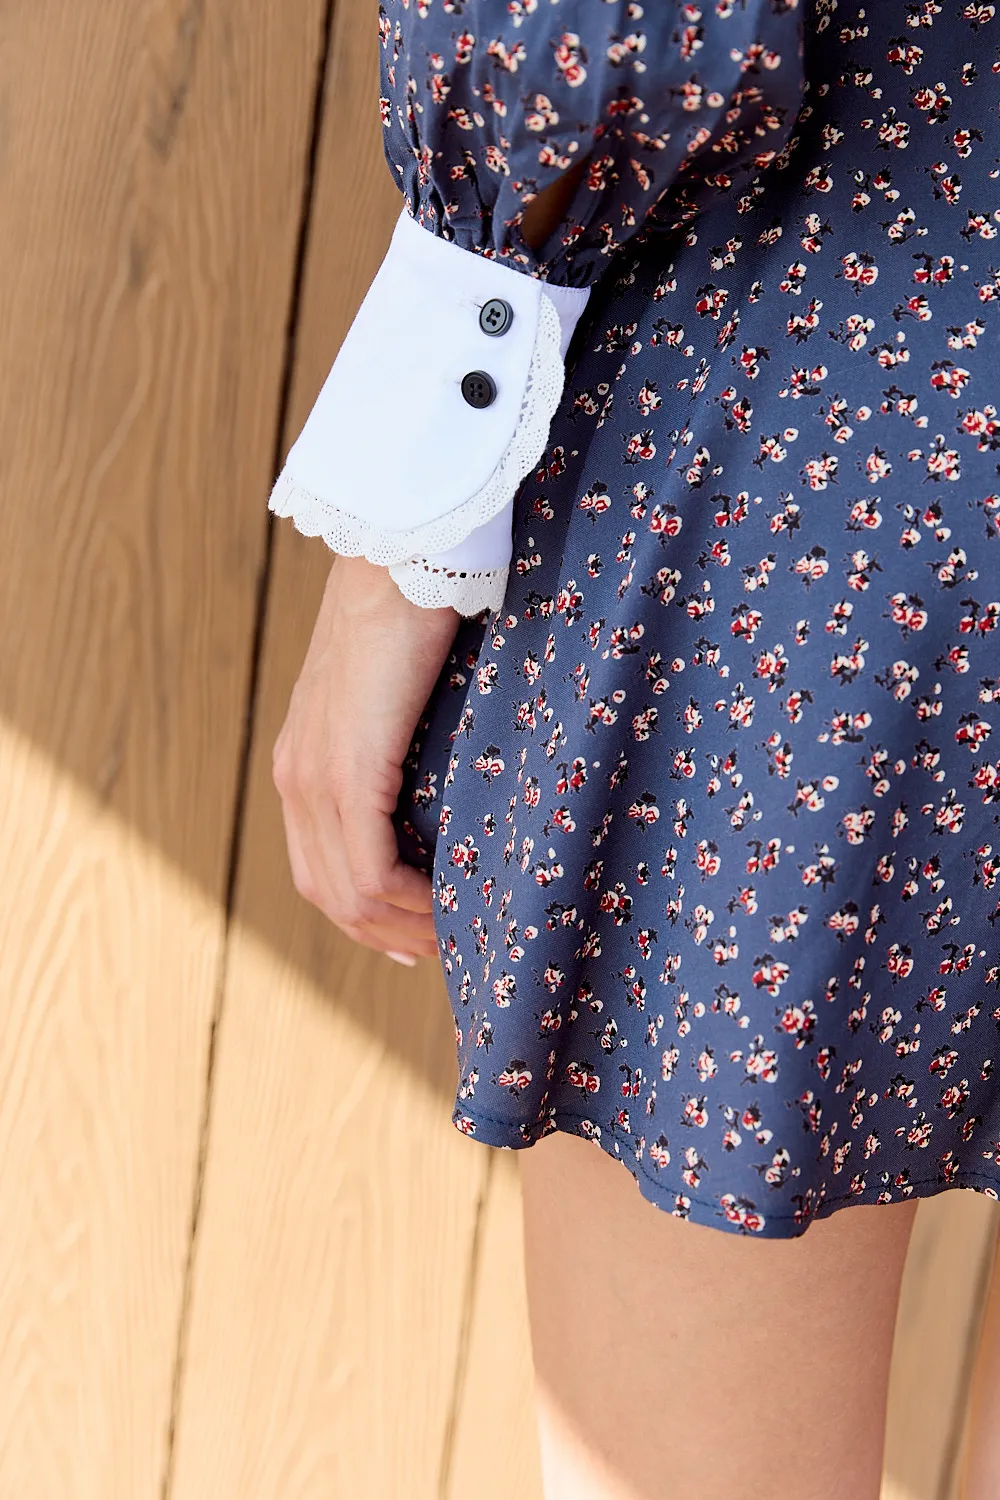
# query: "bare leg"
{"type": "Point", "coordinates": [981, 1474]}
{"type": "Point", "coordinates": [678, 1362]}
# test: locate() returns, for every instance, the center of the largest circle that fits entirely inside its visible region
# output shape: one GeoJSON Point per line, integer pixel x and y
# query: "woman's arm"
{"type": "Point", "coordinates": [531, 143]}
{"type": "Point", "coordinates": [371, 666]}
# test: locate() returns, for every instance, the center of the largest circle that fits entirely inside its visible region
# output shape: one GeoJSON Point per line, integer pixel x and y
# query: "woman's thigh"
{"type": "Point", "coordinates": [678, 1362]}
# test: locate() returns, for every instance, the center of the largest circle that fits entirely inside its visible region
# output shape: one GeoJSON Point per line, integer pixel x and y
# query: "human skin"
{"type": "Point", "coordinates": [719, 1338]}
{"type": "Point", "coordinates": [372, 663]}
{"type": "Point", "coordinates": [675, 1361]}
{"type": "Point", "coordinates": [371, 666]}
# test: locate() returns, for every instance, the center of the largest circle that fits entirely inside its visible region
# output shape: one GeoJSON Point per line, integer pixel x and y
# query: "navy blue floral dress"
{"type": "Point", "coordinates": [712, 803]}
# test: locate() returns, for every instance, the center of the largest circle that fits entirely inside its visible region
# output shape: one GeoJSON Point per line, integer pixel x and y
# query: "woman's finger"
{"type": "Point", "coordinates": [321, 871]}
{"type": "Point", "coordinates": [386, 940]}
{"type": "Point", "coordinates": [359, 847]}
{"type": "Point", "coordinates": [303, 876]}
{"type": "Point", "coordinates": [373, 856]}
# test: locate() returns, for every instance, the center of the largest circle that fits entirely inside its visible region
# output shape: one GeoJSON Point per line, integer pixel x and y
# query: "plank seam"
{"type": "Point", "coordinates": [465, 1333]}
{"type": "Point", "coordinates": [247, 739]}
{"type": "Point", "coordinates": [284, 402]}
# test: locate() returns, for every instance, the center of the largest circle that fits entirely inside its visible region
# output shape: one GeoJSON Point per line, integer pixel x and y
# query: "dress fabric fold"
{"type": "Point", "coordinates": [484, 105]}
{"type": "Point", "coordinates": [710, 802]}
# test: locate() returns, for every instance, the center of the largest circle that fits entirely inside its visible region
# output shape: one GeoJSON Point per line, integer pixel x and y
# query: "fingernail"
{"type": "Point", "coordinates": [403, 958]}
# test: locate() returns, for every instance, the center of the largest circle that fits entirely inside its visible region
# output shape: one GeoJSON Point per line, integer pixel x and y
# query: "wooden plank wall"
{"type": "Point", "coordinates": [333, 1152]}
{"type": "Point", "coordinates": [245, 1254]}
{"type": "Point", "coordinates": [152, 164]}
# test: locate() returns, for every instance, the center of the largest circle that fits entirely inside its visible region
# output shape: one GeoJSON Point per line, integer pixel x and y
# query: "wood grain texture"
{"type": "Point", "coordinates": [394, 1358]}
{"type": "Point", "coordinates": [495, 1453]}
{"type": "Point", "coordinates": [331, 1290]}
{"type": "Point", "coordinates": [940, 1310]}
{"type": "Point", "coordinates": [339, 1213]}
{"type": "Point", "coordinates": [354, 1323]}
{"type": "Point", "coordinates": [151, 166]}
{"type": "Point", "coordinates": [979, 1454]}
{"type": "Point", "coordinates": [152, 174]}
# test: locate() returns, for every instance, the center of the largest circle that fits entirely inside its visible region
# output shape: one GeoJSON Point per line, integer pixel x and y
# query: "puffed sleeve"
{"type": "Point", "coordinates": [441, 397]}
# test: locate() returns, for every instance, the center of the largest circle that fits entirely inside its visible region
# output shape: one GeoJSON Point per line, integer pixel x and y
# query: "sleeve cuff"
{"type": "Point", "coordinates": [403, 460]}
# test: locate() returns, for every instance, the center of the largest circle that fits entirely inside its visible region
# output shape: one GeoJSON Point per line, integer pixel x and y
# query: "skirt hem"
{"type": "Point", "coordinates": [733, 1213]}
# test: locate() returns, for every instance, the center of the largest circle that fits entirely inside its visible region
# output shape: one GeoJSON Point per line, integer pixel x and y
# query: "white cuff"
{"type": "Point", "coordinates": [393, 462]}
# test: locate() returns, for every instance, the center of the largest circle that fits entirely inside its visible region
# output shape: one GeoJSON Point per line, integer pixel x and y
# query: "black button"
{"type": "Point", "coordinates": [496, 317]}
{"type": "Point", "coordinates": [478, 389]}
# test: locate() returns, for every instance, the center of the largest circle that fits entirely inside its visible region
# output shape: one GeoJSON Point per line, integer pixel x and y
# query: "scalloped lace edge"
{"type": "Point", "coordinates": [433, 587]}
{"type": "Point", "coordinates": [353, 536]}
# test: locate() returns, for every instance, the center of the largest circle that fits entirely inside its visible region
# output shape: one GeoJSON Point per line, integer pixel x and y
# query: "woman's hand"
{"type": "Point", "coordinates": [371, 666]}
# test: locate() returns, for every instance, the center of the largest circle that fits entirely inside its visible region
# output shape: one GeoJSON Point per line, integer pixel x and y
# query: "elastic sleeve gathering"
{"type": "Point", "coordinates": [438, 405]}
{"type": "Point", "coordinates": [487, 102]}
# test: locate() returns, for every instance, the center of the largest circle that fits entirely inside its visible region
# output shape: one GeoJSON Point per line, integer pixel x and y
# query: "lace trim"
{"type": "Point", "coordinates": [433, 587]}
{"type": "Point", "coordinates": [353, 536]}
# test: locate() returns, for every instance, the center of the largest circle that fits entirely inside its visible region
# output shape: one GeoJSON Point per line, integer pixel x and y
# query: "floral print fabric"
{"type": "Point", "coordinates": [486, 103]}
{"type": "Point", "coordinates": [711, 803]}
